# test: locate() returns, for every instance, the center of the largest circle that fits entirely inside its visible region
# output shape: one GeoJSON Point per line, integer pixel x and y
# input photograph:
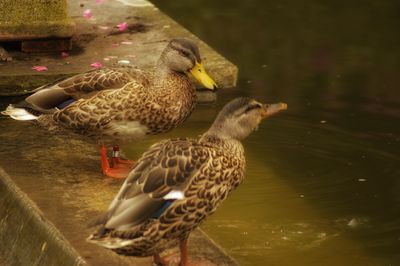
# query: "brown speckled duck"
{"type": "Point", "coordinates": [124, 104]}
{"type": "Point", "coordinates": [177, 183]}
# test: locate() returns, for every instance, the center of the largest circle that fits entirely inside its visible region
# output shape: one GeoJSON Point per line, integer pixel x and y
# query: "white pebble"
{"type": "Point", "coordinates": [124, 62]}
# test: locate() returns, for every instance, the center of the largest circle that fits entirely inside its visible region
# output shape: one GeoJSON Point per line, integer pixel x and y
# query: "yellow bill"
{"type": "Point", "coordinates": [201, 75]}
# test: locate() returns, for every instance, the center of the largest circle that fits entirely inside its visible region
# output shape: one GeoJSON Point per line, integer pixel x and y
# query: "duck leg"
{"type": "Point", "coordinates": [184, 253]}
{"type": "Point", "coordinates": [115, 169]}
{"type": "Point", "coordinates": [184, 256]}
{"type": "Point", "coordinates": [158, 261]}
{"type": "Point", "coordinates": [116, 159]}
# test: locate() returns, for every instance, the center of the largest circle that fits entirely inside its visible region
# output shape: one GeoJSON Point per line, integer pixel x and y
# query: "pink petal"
{"type": "Point", "coordinates": [99, 1]}
{"type": "Point", "coordinates": [87, 14]}
{"type": "Point", "coordinates": [122, 26]}
{"type": "Point", "coordinates": [39, 68]}
{"type": "Point", "coordinates": [96, 65]}
{"type": "Point", "coordinates": [115, 44]}
{"type": "Point", "coordinates": [64, 54]}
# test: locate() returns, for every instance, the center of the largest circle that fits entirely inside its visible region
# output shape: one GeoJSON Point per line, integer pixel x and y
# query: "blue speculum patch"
{"type": "Point", "coordinates": [160, 211]}
{"type": "Point", "coordinates": [66, 103]}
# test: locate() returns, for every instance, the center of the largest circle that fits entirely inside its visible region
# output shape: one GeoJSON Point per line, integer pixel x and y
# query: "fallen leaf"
{"type": "Point", "coordinates": [96, 64]}
{"type": "Point", "coordinates": [64, 54]}
{"type": "Point", "coordinates": [87, 14]}
{"type": "Point", "coordinates": [122, 26]}
{"type": "Point", "coordinates": [104, 27]}
{"type": "Point", "coordinates": [126, 43]}
{"type": "Point", "coordinates": [39, 68]}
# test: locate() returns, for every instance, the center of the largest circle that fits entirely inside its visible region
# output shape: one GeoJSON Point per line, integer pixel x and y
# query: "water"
{"type": "Point", "coordinates": [323, 183]}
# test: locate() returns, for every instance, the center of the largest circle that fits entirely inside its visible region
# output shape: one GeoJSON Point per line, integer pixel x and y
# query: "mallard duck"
{"type": "Point", "coordinates": [118, 105]}
{"type": "Point", "coordinates": [177, 183]}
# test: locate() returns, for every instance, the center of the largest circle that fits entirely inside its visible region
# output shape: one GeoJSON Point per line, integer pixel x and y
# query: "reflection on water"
{"type": "Point", "coordinates": [323, 183]}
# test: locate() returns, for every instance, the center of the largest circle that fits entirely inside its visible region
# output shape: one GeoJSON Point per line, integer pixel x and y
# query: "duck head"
{"type": "Point", "coordinates": [241, 116]}
{"type": "Point", "coordinates": [183, 56]}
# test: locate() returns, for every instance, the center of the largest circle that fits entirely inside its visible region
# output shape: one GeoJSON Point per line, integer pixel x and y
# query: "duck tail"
{"type": "Point", "coordinates": [100, 219]}
{"type": "Point", "coordinates": [109, 242]}
{"type": "Point", "coordinates": [18, 113]}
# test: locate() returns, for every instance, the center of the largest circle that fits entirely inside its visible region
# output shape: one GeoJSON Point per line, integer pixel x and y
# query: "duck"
{"type": "Point", "coordinates": [178, 183]}
{"type": "Point", "coordinates": [118, 105]}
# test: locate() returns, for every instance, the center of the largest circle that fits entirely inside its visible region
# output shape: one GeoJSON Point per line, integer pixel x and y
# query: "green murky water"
{"type": "Point", "coordinates": [323, 180]}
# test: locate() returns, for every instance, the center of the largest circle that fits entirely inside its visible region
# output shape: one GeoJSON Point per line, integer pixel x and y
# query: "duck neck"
{"type": "Point", "coordinates": [176, 87]}
{"type": "Point", "coordinates": [166, 74]}
{"type": "Point", "coordinates": [224, 142]}
{"type": "Point", "coordinates": [218, 133]}
{"type": "Point", "coordinates": [162, 69]}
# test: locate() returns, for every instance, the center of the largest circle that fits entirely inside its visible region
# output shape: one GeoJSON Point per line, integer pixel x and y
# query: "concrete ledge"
{"type": "Point", "coordinates": [98, 39]}
{"type": "Point", "coordinates": [26, 236]}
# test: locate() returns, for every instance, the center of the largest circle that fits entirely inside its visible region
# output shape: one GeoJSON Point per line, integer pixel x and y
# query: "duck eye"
{"type": "Point", "coordinates": [251, 107]}
{"type": "Point", "coordinates": [184, 53]}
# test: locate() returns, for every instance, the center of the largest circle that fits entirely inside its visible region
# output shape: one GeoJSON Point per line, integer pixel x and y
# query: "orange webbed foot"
{"type": "Point", "coordinates": [115, 167]}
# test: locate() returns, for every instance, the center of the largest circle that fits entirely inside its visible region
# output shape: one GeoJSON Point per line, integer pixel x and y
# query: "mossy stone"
{"type": "Point", "coordinates": [31, 19]}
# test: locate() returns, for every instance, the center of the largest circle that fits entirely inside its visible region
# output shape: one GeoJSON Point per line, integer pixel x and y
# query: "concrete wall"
{"type": "Point", "coordinates": [26, 236]}
{"type": "Point", "coordinates": [31, 19]}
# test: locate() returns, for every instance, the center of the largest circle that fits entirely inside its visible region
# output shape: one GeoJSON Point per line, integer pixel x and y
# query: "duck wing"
{"type": "Point", "coordinates": [93, 116]}
{"type": "Point", "coordinates": [61, 93]}
{"type": "Point", "coordinates": [158, 178]}
{"type": "Point", "coordinates": [84, 85]}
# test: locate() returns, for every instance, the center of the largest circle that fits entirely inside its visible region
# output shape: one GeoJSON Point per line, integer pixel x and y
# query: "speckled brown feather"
{"type": "Point", "coordinates": [206, 170]}
{"type": "Point", "coordinates": [82, 85]}
{"type": "Point", "coordinates": [156, 104]}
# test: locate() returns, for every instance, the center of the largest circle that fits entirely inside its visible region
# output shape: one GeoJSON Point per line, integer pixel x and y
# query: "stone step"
{"type": "Point", "coordinates": [98, 39]}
